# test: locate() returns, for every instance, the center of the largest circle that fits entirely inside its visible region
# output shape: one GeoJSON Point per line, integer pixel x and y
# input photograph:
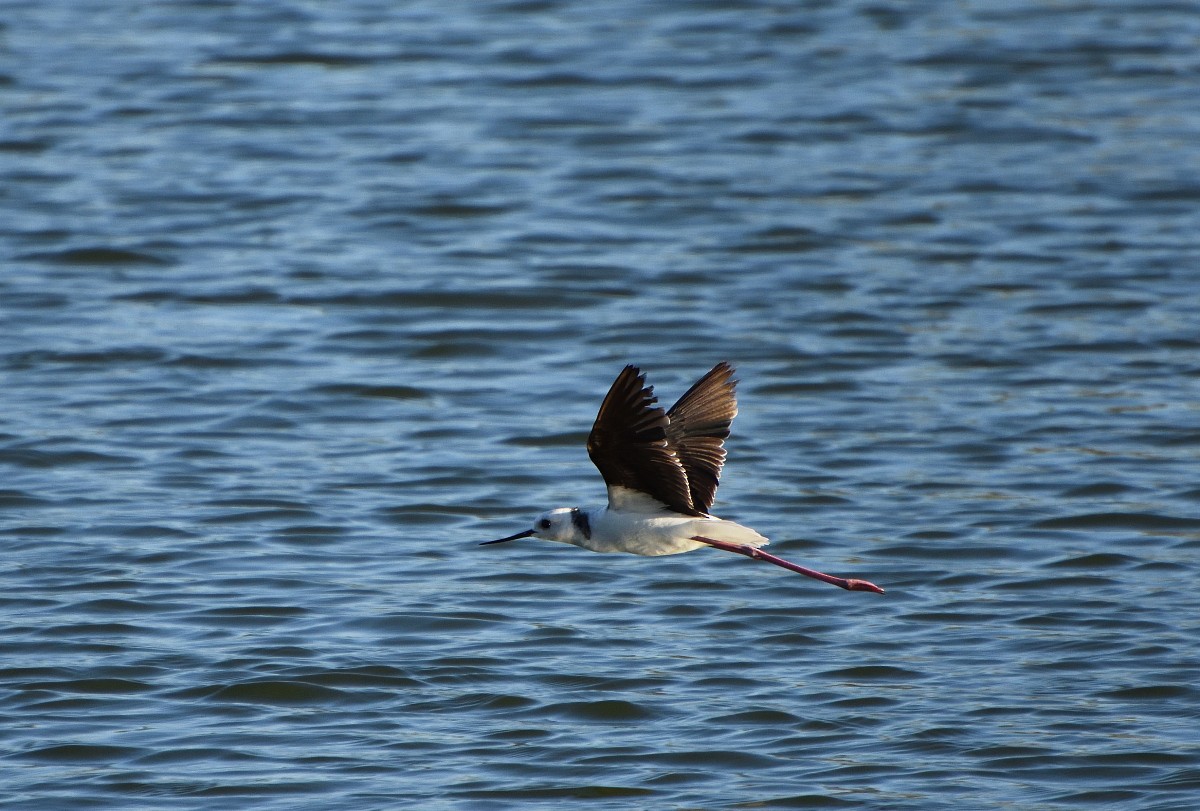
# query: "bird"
{"type": "Point", "coordinates": [661, 469]}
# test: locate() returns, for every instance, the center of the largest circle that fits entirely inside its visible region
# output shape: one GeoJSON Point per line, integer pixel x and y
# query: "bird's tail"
{"type": "Point", "coordinates": [721, 530]}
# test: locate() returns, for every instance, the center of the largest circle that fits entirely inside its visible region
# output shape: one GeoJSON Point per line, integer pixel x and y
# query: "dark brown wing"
{"type": "Point", "coordinates": [699, 423]}
{"type": "Point", "coordinates": [629, 444]}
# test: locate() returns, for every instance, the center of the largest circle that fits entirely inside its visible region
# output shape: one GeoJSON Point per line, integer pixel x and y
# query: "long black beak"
{"type": "Point", "coordinates": [524, 534]}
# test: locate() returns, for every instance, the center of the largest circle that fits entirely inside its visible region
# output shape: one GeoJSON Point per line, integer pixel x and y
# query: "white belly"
{"type": "Point", "coordinates": [644, 534]}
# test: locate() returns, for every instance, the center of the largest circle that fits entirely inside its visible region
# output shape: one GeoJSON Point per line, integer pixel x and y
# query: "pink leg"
{"type": "Point", "coordinates": [758, 554]}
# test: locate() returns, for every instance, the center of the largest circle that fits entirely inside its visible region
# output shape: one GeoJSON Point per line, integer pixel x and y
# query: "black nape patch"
{"type": "Point", "coordinates": [580, 520]}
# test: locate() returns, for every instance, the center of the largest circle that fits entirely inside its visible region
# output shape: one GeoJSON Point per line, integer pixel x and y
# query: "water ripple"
{"type": "Point", "coordinates": [295, 317]}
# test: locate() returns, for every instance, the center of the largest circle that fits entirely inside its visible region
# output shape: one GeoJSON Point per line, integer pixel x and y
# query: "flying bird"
{"type": "Point", "coordinates": [662, 469]}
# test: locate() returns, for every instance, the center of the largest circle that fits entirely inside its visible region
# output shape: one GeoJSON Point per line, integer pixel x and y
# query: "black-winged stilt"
{"type": "Point", "coordinates": [662, 469]}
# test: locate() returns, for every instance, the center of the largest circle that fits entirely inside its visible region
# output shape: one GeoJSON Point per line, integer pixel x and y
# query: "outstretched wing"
{"type": "Point", "coordinates": [629, 444]}
{"type": "Point", "coordinates": [698, 425]}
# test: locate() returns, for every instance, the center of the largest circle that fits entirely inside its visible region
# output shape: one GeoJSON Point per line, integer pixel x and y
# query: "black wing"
{"type": "Point", "coordinates": [629, 444]}
{"type": "Point", "coordinates": [698, 425]}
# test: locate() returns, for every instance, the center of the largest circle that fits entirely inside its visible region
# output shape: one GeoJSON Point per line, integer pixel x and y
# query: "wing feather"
{"type": "Point", "coordinates": [630, 444]}
{"type": "Point", "coordinates": [698, 425]}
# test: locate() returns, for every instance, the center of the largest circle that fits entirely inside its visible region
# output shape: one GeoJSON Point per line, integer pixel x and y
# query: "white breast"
{"type": "Point", "coordinates": [661, 533]}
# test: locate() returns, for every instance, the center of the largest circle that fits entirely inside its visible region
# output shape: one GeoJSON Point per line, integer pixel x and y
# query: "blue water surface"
{"type": "Point", "coordinates": [299, 301]}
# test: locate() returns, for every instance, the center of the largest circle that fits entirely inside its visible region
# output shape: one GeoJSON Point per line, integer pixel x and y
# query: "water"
{"type": "Point", "coordinates": [299, 301]}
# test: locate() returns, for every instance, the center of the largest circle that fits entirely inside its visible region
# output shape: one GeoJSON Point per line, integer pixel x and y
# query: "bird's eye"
{"type": "Point", "coordinates": [544, 523]}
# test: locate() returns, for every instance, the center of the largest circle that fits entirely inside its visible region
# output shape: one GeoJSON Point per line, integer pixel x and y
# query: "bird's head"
{"type": "Point", "coordinates": [562, 525]}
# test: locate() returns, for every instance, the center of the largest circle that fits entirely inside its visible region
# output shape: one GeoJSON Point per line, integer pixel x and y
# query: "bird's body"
{"type": "Point", "coordinates": [662, 469]}
{"type": "Point", "coordinates": [640, 526]}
